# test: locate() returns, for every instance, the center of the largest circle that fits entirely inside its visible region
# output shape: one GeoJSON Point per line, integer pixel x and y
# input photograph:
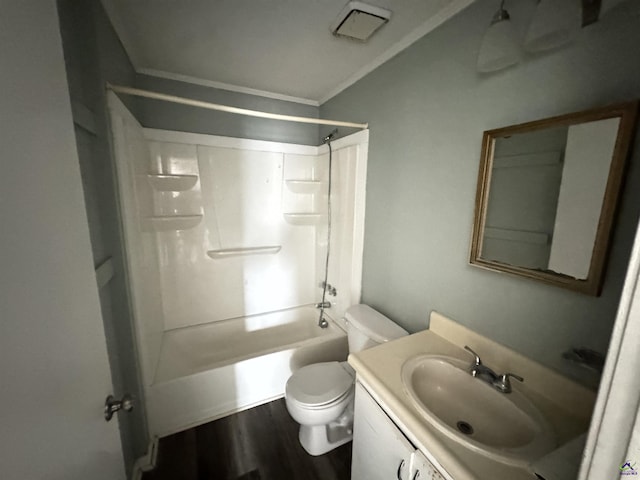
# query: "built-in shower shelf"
{"type": "Point", "coordinates": [172, 183]}
{"type": "Point", "coordinates": [304, 218]}
{"type": "Point", "coordinates": [173, 222]}
{"type": "Point", "coordinates": [304, 186]}
{"type": "Point", "coordinates": [243, 251]}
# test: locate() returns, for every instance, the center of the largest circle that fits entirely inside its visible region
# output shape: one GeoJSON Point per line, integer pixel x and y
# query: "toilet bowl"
{"type": "Point", "coordinates": [320, 396]}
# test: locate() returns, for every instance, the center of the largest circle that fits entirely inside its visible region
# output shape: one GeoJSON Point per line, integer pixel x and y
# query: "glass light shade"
{"type": "Point", "coordinates": [499, 48]}
{"type": "Point", "coordinates": [554, 24]}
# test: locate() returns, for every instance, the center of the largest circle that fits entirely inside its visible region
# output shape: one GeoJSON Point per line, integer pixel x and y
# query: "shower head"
{"type": "Point", "coordinates": [329, 137]}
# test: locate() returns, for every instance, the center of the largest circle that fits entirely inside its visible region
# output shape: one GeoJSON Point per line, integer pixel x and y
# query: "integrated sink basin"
{"type": "Point", "coordinates": [504, 426]}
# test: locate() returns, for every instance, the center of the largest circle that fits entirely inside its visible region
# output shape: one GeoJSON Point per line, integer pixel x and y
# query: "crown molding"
{"type": "Point", "coordinates": [446, 13]}
{"type": "Point", "coordinates": [225, 86]}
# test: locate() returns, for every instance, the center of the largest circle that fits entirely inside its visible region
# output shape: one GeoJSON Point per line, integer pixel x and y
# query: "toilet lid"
{"type": "Point", "coordinates": [319, 383]}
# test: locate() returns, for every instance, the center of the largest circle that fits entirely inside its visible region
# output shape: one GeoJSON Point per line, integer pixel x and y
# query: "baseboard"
{"type": "Point", "coordinates": [146, 462]}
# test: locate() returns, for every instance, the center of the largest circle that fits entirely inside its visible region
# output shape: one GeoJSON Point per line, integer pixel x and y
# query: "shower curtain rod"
{"type": "Point", "coordinates": [225, 108]}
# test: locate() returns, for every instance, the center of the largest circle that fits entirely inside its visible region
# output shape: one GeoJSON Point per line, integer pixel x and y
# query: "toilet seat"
{"type": "Point", "coordinates": [324, 406]}
{"type": "Point", "coordinates": [319, 384]}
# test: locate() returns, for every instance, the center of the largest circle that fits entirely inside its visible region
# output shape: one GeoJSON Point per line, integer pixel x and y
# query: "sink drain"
{"type": "Point", "coordinates": [464, 427]}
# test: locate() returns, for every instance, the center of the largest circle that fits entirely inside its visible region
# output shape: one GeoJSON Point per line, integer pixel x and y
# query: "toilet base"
{"type": "Point", "coordinates": [320, 439]}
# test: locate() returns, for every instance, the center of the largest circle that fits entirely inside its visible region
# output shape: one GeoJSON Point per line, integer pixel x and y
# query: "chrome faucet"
{"type": "Point", "coordinates": [500, 382]}
{"type": "Point", "coordinates": [479, 370]}
{"type": "Point", "coordinates": [503, 384]}
{"type": "Point", "coordinates": [322, 322]}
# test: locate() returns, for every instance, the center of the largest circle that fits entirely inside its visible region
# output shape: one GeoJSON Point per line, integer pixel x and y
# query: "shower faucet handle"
{"type": "Point", "coordinates": [330, 289]}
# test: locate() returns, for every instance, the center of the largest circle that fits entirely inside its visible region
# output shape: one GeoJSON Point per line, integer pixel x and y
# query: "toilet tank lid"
{"type": "Point", "coordinates": [373, 324]}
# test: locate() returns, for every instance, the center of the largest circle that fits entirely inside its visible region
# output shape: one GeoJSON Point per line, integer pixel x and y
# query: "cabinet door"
{"type": "Point", "coordinates": [380, 450]}
{"type": "Point", "coordinates": [423, 469]}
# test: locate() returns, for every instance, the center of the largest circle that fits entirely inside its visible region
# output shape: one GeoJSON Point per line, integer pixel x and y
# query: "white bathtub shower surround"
{"type": "Point", "coordinates": [194, 349]}
{"type": "Point", "coordinates": [207, 371]}
{"type": "Point", "coordinates": [240, 199]}
{"type": "Point", "coordinates": [226, 240]}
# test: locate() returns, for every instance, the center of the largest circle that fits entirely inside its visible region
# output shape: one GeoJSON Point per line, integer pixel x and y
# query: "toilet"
{"type": "Point", "coordinates": [320, 396]}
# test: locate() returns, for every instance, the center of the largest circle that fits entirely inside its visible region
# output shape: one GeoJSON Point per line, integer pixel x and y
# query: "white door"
{"type": "Point", "coordinates": [54, 373]}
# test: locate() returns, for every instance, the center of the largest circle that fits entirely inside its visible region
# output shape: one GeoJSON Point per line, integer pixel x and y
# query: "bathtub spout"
{"type": "Point", "coordinates": [322, 322]}
{"type": "Point", "coordinates": [323, 305]}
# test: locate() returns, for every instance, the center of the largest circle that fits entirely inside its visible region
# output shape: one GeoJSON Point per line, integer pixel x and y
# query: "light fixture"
{"type": "Point", "coordinates": [555, 23]}
{"type": "Point", "coordinates": [499, 48]}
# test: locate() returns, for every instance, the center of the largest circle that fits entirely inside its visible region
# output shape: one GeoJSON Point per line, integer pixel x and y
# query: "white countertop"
{"type": "Point", "coordinates": [379, 370]}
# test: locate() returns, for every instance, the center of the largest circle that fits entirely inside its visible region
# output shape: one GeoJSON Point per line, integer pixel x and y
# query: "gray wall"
{"type": "Point", "coordinates": [93, 56]}
{"type": "Point", "coordinates": [427, 109]}
{"type": "Point", "coordinates": [170, 116]}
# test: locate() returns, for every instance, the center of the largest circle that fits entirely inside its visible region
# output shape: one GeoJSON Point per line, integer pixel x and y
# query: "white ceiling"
{"type": "Point", "coordinates": [277, 48]}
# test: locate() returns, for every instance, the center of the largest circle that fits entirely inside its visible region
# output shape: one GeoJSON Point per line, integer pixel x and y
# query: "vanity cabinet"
{"type": "Point", "coordinates": [380, 449]}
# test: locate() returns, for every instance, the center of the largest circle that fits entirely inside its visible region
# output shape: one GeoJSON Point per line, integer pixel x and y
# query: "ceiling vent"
{"type": "Point", "coordinates": [358, 21]}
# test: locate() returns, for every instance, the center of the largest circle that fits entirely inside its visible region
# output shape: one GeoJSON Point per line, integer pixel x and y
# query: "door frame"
{"type": "Point", "coordinates": [614, 434]}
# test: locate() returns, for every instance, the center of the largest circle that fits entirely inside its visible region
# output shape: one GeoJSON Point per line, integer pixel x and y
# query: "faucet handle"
{"type": "Point", "coordinates": [477, 363]}
{"type": "Point", "coordinates": [503, 383]}
{"type": "Point", "coordinates": [477, 360]}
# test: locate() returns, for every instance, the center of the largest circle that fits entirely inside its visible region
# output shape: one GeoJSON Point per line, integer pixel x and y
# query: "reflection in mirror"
{"type": "Point", "coordinates": [546, 196]}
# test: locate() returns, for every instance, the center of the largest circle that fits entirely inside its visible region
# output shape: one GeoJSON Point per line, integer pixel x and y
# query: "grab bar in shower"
{"type": "Point", "coordinates": [236, 252]}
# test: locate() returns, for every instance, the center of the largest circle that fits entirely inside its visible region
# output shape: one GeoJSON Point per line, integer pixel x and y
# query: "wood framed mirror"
{"type": "Point", "coordinates": [547, 195]}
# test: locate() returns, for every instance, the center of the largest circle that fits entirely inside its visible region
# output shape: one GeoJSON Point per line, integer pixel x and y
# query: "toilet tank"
{"type": "Point", "coordinates": [367, 328]}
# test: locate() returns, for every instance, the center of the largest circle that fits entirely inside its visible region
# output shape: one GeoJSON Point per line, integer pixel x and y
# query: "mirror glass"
{"type": "Point", "coordinates": [546, 195]}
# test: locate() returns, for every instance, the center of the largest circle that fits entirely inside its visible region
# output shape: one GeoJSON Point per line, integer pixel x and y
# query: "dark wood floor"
{"type": "Point", "coordinates": [257, 444]}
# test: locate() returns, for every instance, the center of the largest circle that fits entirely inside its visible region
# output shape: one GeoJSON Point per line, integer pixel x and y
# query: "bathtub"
{"type": "Point", "coordinates": [208, 371]}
